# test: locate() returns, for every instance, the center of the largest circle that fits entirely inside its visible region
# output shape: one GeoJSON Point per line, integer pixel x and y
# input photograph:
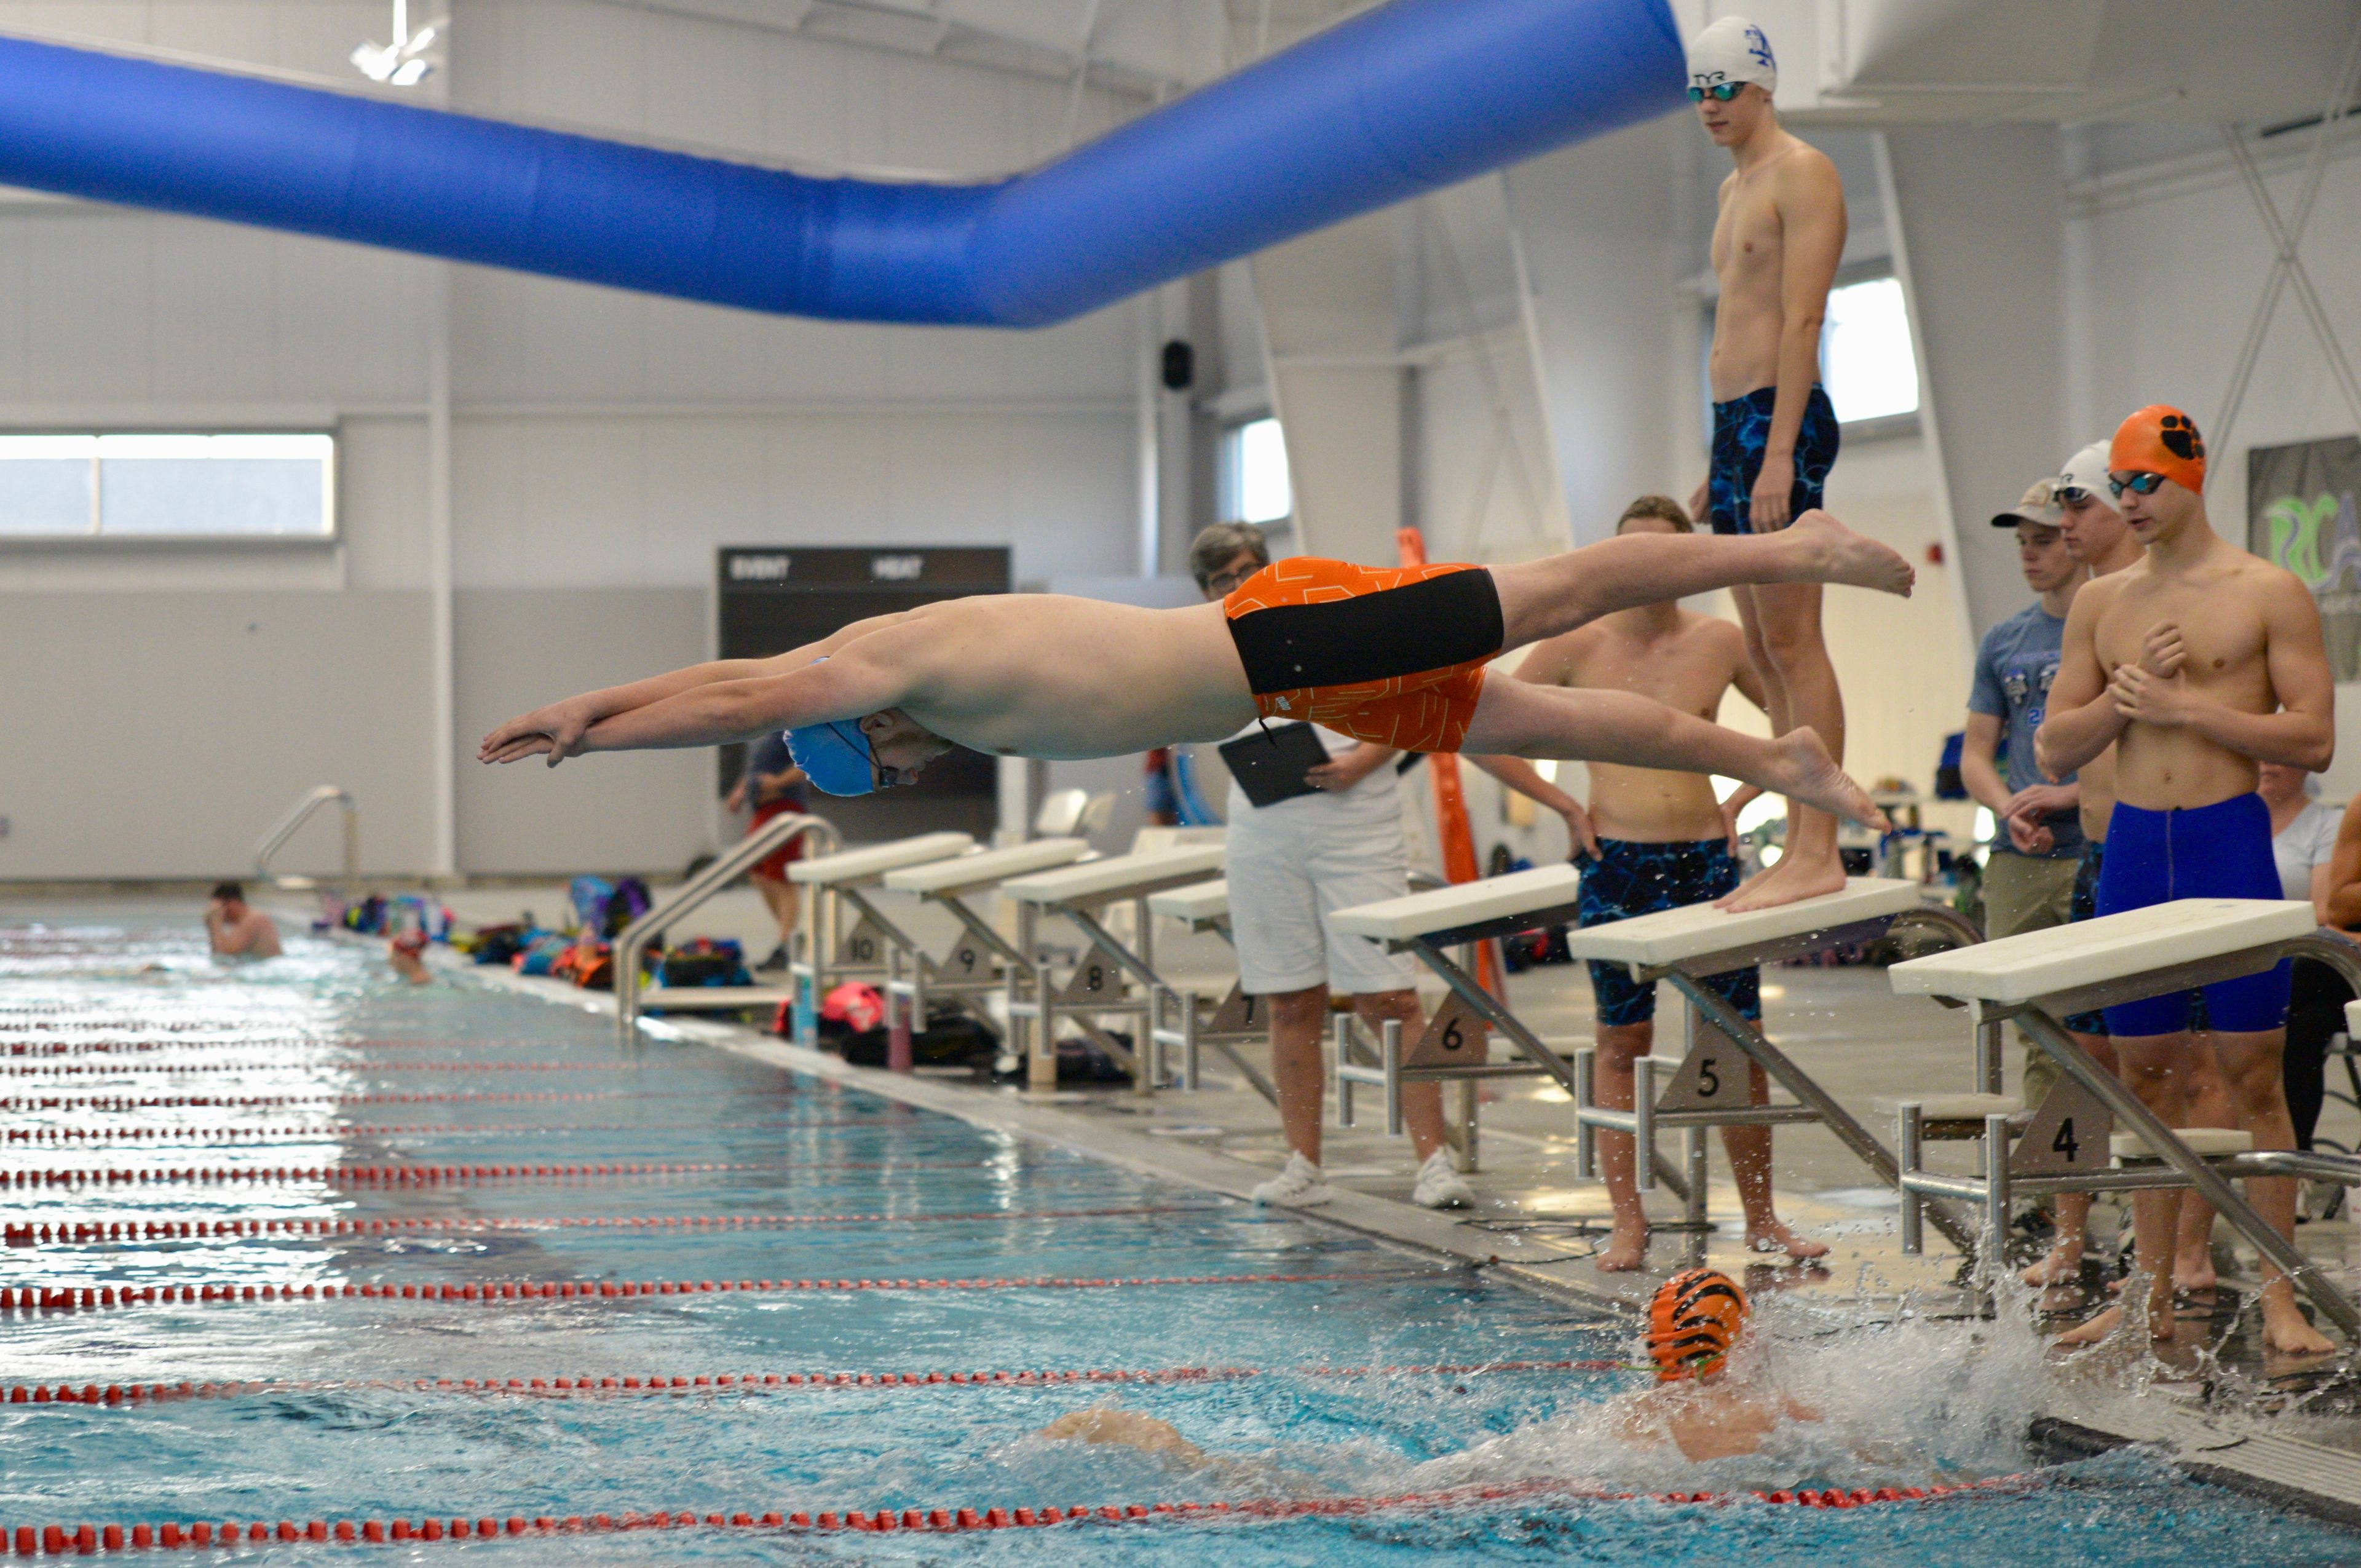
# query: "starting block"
{"type": "Point", "coordinates": [1184, 1021]}
{"type": "Point", "coordinates": [1710, 1084]}
{"type": "Point", "coordinates": [832, 953]}
{"type": "Point", "coordinates": [1456, 1044]}
{"type": "Point", "coordinates": [973, 966]}
{"type": "Point", "coordinates": [2073, 1142]}
{"type": "Point", "coordinates": [1079, 893]}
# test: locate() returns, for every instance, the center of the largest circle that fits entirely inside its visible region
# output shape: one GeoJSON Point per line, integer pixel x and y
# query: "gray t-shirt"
{"type": "Point", "coordinates": [2013, 669]}
{"type": "Point", "coordinates": [2310, 840]}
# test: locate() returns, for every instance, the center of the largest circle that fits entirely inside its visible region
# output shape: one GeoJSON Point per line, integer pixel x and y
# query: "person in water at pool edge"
{"type": "Point", "coordinates": [1396, 657]}
{"type": "Point", "coordinates": [1702, 1404]}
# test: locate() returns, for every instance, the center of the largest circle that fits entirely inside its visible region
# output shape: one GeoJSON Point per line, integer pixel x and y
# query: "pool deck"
{"type": "Point", "coordinates": [2218, 1413]}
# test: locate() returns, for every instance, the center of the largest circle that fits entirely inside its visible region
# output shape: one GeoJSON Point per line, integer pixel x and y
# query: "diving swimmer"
{"type": "Point", "coordinates": [1396, 657]}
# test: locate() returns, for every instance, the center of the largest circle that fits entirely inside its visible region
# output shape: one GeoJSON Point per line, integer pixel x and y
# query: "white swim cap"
{"type": "Point", "coordinates": [2087, 471]}
{"type": "Point", "coordinates": [1732, 49]}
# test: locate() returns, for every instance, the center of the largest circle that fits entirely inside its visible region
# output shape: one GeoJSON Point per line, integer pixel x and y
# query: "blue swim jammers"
{"type": "Point", "coordinates": [1741, 432]}
{"type": "Point", "coordinates": [2223, 851]}
{"type": "Point", "coordinates": [1632, 877]}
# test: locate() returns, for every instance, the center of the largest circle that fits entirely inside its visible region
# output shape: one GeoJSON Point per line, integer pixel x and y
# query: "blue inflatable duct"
{"type": "Point", "coordinates": [1401, 100]}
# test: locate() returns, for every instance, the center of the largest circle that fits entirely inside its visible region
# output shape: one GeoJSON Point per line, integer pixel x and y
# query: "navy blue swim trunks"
{"type": "Point", "coordinates": [2086, 907]}
{"type": "Point", "coordinates": [2223, 851]}
{"type": "Point", "coordinates": [1742, 429]}
{"type": "Point", "coordinates": [1630, 878]}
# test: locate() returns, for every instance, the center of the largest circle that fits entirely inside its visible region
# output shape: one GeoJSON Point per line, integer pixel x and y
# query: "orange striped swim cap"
{"type": "Point", "coordinates": [2161, 439]}
{"type": "Point", "coordinates": [1693, 1321]}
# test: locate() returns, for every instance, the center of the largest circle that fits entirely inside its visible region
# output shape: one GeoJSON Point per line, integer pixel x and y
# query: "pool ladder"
{"type": "Point", "coordinates": [272, 841]}
{"type": "Point", "coordinates": [633, 995]}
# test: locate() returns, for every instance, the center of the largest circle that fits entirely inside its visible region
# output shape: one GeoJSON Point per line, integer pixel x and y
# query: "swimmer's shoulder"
{"type": "Point", "coordinates": [1558, 661]}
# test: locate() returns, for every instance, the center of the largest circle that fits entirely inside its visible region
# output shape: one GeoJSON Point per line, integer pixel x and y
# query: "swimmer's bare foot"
{"type": "Point", "coordinates": [2062, 1267]}
{"type": "Point", "coordinates": [2285, 1329]}
{"type": "Point", "coordinates": [1626, 1248]}
{"type": "Point", "coordinates": [2194, 1272]}
{"type": "Point", "coordinates": [1837, 555]}
{"type": "Point", "coordinates": [1774, 1236]}
{"type": "Point", "coordinates": [1792, 880]}
{"type": "Point", "coordinates": [1802, 770]}
{"type": "Point", "coordinates": [2159, 1329]}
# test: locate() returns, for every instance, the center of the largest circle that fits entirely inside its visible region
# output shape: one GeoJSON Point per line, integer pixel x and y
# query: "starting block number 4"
{"type": "Point", "coordinates": [2069, 1133]}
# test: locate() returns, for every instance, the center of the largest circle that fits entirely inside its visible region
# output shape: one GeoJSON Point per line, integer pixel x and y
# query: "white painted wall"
{"type": "Point", "coordinates": [603, 444]}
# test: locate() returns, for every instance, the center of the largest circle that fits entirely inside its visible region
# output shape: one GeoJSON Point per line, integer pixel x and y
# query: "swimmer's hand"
{"type": "Point", "coordinates": [1740, 799]}
{"type": "Point", "coordinates": [1342, 772]}
{"type": "Point", "coordinates": [556, 732]}
{"type": "Point", "coordinates": [1775, 488]}
{"type": "Point", "coordinates": [2162, 653]}
{"type": "Point", "coordinates": [2149, 698]}
{"type": "Point", "coordinates": [1700, 502]}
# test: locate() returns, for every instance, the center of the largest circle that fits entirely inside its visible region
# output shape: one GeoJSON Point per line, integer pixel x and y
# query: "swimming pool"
{"type": "Point", "coordinates": [786, 1297]}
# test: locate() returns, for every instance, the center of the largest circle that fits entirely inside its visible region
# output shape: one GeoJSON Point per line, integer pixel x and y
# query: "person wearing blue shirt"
{"type": "Point", "coordinates": [2037, 837]}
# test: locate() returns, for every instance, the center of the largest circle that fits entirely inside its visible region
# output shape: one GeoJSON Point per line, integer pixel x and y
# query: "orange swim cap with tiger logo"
{"type": "Point", "coordinates": [2161, 439]}
{"type": "Point", "coordinates": [1693, 1321]}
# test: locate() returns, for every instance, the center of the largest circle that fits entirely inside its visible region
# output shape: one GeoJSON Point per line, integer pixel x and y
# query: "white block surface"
{"type": "Point", "coordinates": [2129, 1144]}
{"type": "Point", "coordinates": [876, 860]}
{"type": "Point", "coordinates": [988, 867]}
{"type": "Point", "coordinates": [1700, 928]}
{"type": "Point", "coordinates": [1111, 878]}
{"type": "Point", "coordinates": [1469, 904]}
{"type": "Point", "coordinates": [1197, 903]}
{"type": "Point", "coordinates": [2137, 942]}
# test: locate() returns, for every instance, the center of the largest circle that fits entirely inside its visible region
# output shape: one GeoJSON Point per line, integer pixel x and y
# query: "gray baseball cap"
{"type": "Point", "coordinates": [2039, 505]}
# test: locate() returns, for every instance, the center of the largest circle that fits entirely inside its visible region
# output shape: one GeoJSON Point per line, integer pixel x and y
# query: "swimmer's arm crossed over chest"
{"type": "Point", "coordinates": [2301, 733]}
{"type": "Point", "coordinates": [2084, 720]}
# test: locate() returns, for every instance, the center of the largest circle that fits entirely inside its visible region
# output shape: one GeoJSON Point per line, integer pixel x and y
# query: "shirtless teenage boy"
{"type": "Point", "coordinates": [2197, 662]}
{"type": "Point", "coordinates": [1659, 840]}
{"type": "Point", "coordinates": [2097, 536]}
{"type": "Point", "coordinates": [1395, 657]}
{"type": "Point", "coordinates": [1776, 248]}
{"type": "Point", "coordinates": [237, 929]}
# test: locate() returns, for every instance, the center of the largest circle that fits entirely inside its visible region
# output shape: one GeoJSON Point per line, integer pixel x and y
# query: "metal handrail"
{"type": "Point", "coordinates": [271, 842]}
{"type": "Point", "coordinates": [747, 852]}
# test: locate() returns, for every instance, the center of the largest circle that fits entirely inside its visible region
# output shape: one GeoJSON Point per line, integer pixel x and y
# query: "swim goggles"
{"type": "Point", "coordinates": [1720, 92]}
{"type": "Point", "coordinates": [2139, 483]}
{"type": "Point", "coordinates": [2070, 495]}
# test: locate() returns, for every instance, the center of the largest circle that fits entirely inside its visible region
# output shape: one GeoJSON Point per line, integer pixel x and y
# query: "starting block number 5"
{"type": "Point", "coordinates": [1706, 1075]}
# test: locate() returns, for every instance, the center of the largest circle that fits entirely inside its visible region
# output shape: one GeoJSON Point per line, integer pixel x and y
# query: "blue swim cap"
{"type": "Point", "coordinates": [835, 756]}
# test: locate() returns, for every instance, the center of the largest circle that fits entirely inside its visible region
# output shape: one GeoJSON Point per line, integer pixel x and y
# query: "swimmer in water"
{"type": "Point", "coordinates": [1712, 1398]}
{"type": "Point", "coordinates": [404, 953]}
{"type": "Point", "coordinates": [1397, 658]}
{"type": "Point", "coordinates": [237, 929]}
{"type": "Point", "coordinates": [1702, 1403]}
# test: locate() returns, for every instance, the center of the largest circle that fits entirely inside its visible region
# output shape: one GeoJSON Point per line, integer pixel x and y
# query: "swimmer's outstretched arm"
{"type": "Point", "coordinates": [715, 713]}
{"type": "Point", "coordinates": [564, 722]}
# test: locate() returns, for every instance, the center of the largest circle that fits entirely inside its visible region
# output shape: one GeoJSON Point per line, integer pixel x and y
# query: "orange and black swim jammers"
{"type": "Point", "coordinates": [1391, 655]}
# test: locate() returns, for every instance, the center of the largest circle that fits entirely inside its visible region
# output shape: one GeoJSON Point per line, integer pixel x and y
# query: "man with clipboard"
{"type": "Point", "coordinates": [1315, 824]}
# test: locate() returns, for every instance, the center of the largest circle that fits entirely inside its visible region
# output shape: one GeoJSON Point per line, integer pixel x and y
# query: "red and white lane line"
{"type": "Point", "coordinates": [50, 1298]}
{"type": "Point", "coordinates": [122, 1396]}
{"type": "Point", "coordinates": [212, 1068]}
{"type": "Point", "coordinates": [109, 1104]}
{"type": "Point", "coordinates": [92, 1232]}
{"type": "Point", "coordinates": [350, 1130]}
{"type": "Point", "coordinates": [430, 1175]}
{"type": "Point", "coordinates": [28, 1540]}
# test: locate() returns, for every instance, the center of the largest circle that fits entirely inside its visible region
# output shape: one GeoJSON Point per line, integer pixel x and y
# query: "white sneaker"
{"type": "Point", "coordinates": [1439, 1186]}
{"type": "Point", "coordinates": [1297, 1186]}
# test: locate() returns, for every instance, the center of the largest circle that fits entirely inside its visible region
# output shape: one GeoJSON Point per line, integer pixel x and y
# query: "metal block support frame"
{"type": "Point", "coordinates": [2176, 1165]}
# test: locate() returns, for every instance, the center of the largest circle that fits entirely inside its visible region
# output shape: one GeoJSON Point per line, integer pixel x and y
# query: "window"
{"type": "Point", "coordinates": [168, 486]}
{"type": "Point", "coordinates": [1866, 361]}
{"type": "Point", "coordinates": [1253, 485]}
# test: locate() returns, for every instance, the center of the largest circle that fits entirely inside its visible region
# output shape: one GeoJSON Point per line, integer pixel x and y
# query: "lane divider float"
{"type": "Point", "coordinates": [86, 1232]}
{"type": "Point", "coordinates": [123, 1395]}
{"type": "Point", "coordinates": [57, 1540]}
{"type": "Point", "coordinates": [50, 1298]}
{"type": "Point", "coordinates": [430, 1175]}
{"type": "Point", "coordinates": [340, 1130]}
{"type": "Point", "coordinates": [213, 1068]}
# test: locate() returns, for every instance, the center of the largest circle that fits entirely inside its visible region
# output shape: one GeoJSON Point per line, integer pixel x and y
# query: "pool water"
{"type": "Point", "coordinates": [125, 1049]}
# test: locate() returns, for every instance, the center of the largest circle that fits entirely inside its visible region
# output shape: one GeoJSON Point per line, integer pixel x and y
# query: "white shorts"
{"type": "Point", "coordinates": [1286, 870]}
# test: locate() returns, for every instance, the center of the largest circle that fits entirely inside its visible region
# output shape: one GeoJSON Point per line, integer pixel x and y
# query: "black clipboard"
{"type": "Point", "coordinates": [1269, 763]}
